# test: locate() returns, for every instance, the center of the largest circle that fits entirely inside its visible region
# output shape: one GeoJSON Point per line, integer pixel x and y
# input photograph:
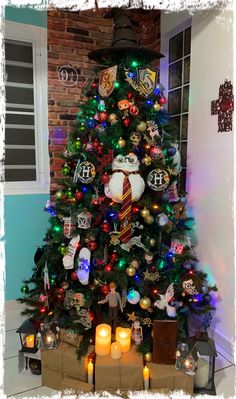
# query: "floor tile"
{"type": "Point", "coordinates": [41, 392]}
{"type": "Point", "coordinates": [221, 362]}
{"type": "Point", "coordinates": [12, 344]}
{"type": "Point", "coordinates": [225, 382]}
{"type": "Point", "coordinates": [12, 318]}
{"type": "Point", "coordinates": [15, 382]}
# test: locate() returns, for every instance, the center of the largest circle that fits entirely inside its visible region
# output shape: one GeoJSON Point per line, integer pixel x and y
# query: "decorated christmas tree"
{"type": "Point", "coordinates": [118, 249]}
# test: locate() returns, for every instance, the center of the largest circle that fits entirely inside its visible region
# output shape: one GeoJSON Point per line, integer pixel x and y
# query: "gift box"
{"type": "Point", "coordinates": [124, 374]}
{"type": "Point", "coordinates": [164, 341]}
{"type": "Point", "coordinates": [131, 370]}
{"type": "Point", "coordinates": [70, 337]}
{"type": "Point", "coordinates": [107, 373]}
{"type": "Point", "coordinates": [72, 366]}
{"type": "Point", "coordinates": [53, 359]}
{"type": "Point", "coordinates": [52, 378]}
{"type": "Point", "coordinates": [70, 384]}
{"type": "Point", "coordinates": [166, 376]}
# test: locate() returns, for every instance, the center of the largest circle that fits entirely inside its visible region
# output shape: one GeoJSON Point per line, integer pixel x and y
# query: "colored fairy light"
{"type": "Point", "coordinates": [57, 228]}
{"type": "Point", "coordinates": [134, 64]}
{"type": "Point", "coordinates": [137, 277]}
{"type": "Point", "coordinates": [157, 91]}
{"type": "Point", "coordinates": [84, 189]}
{"type": "Point", "coordinates": [130, 74]}
{"type": "Point", "coordinates": [117, 85]}
{"type": "Point", "coordinates": [149, 102]}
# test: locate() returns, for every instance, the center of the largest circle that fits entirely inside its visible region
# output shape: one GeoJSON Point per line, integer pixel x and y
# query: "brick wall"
{"type": "Point", "coordinates": [71, 35]}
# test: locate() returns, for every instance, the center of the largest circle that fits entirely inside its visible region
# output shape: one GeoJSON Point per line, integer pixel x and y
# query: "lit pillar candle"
{"type": "Point", "coordinates": [90, 372]}
{"type": "Point", "coordinates": [29, 341]}
{"type": "Point", "coordinates": [202, 374]}
{"type": "Point", "coordinates": [146, 374]}
{"type": "Point", "coordinates": [116, 350]}
{"type": "Point", "coordinates": [103, 339]}
{"type": "Point", "coordinates": [123, 336]}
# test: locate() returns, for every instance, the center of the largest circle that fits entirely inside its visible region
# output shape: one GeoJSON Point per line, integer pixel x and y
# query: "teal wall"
{"type": "Point", "coordinates": [26, 221]}
{"type": "Point", "coordinates": [26, 16]}
{"type": "Point", "coordinates": [25, 227]}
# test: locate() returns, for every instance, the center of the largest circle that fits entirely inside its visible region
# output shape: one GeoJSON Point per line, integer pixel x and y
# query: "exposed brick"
{"type": "Point", "coordinates": [83, 39]}
{"type": "Point", "coordinates": [68, 117]}
{"type": "Point", "coordinates": [78, 31]}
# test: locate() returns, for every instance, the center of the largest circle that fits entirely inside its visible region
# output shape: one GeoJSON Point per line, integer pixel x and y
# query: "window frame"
{"type": "Point", "coordinates": [164, 75]}
{"type": "Point", "coordinates": [38, 37]}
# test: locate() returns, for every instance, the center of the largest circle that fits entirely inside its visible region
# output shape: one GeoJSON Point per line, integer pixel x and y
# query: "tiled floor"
{"type": "Point", "coordinates": [20, 385]}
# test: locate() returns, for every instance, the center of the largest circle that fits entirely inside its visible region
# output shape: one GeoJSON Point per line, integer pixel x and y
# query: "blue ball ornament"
{"type": "Point", "coordinates": [169, 256]}
{"type": "Point", "coordinates": [91, 123]}
{"type": "Point", "coordinates": [171, 151]}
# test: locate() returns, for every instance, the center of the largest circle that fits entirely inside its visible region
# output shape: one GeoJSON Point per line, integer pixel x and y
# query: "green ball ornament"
{"type": "Point", "coordinates": [24, 289]}
{"type": "Point", "coordinates": [77, 144]}
{"type": "Point", "coordinates": [141, 127]}
{"type": "Point", "coordinates": [62, 249]}
{"type": "Point", "coordinates": [58, 195]}
{"type": "Point", "coordinates": [52, 281]}
{"type": "Point", "coordinates": [69, 194]}
{"type": "Point", "coordinates": [81, 128]}
{"type": "Point", "coordinates": [65, 169]}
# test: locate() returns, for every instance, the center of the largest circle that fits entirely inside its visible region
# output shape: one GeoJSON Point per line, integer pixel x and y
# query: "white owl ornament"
{"type": "Point", "coordinates": [125, 166]}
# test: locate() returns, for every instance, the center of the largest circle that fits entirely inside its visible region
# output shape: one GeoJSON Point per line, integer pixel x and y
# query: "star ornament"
{"type": "Point", "coordinates": [131, 316]}
{"type": "Point", "coordinates": [151, 276]}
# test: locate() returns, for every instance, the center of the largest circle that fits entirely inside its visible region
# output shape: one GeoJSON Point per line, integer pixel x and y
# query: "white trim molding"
{"type": "Point", "coordinates": [37, 36]}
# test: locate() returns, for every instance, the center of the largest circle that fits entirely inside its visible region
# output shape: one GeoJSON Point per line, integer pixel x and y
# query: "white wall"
{"type": "Point", "coordinates": [210, 156]}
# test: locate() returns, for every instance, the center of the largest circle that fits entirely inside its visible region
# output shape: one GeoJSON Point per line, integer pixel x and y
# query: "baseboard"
{"type": "Point", "coordinates": [224, 347]}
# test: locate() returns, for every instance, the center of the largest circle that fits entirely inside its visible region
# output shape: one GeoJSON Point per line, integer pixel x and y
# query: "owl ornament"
{"type": "Point", "coordinates": [125, 166]}
{"type": "Point", "coordinates": [125, 186]}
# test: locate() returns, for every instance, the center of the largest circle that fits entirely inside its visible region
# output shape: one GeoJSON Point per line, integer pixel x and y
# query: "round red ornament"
{"type": "Point", "coordinates": [92, 245]}
{"type": "Point", "coordinates": [42, 309]}
{"type": "Point", "coordinates": [74, 276]}
{"type": "Point", "coordinates": [105, 227]}
{"type": "Point", "coordinates": [96, 144]}
{"type": "Point", "coordinates": [162, 101]}
{"type": "Point", "coordinates": [135, 209]}
{"type": "Point", "coordinates": [99, 262]}
{"type": "Point", "coordinates": [105, 178]}
{"type": "Point", "coordinates": [104, 289]}
{"type": "Point", "coordinates": [225, 105]}
{"type": "Point", "coordinates": [113, 257]}
{"type": "Point", "coordinates": [129, 96]}
{"type": "Point", "coordinates": [133, 110]}
{"type": "Point", "coordinates": [78, 195]}
{"type": "Point", "coordinates": [126, 122]}
{"type": "Point", "coordinates": [108, 268]}
{"type": "Point", "coordinates": [102, 116]}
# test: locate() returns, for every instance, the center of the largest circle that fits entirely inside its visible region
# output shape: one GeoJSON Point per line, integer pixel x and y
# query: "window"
{"type": "Point", "coordinates": [26, 138]}
{"type": "Point", "coordinates": [178, 91]}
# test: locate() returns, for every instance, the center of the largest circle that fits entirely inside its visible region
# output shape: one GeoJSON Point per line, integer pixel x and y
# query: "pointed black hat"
{"type": "Point", "coordinates": [124, 43]}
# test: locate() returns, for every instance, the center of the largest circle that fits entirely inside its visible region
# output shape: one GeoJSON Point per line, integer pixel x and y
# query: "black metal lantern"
{"type": "Point", "coordinates": [204, 378]}
{"type": "Point", "coordinates": [28, 334]}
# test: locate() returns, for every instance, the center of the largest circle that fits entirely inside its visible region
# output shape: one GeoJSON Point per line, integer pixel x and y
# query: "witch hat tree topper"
{"type": "Point", "coordinates": [124, 43]}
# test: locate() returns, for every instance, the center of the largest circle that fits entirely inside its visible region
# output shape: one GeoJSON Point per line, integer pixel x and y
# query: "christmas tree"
{"type": "Point", "coordinates": [118, 250]}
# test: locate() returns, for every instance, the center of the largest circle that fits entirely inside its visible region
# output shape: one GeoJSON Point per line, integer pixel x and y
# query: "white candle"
{"type": "Point", "coordinates": [103, 339]}
{"type": "Point", "coordinates": [116, 350]}
{"type": "Point", "coordinates": [90, 372]}
{"type": "Point", "coordinates": [123, 336]}
{"type": "Point", "coordinates": [146, 374]}
{"type": "Point", "coordinates": [201, 377]}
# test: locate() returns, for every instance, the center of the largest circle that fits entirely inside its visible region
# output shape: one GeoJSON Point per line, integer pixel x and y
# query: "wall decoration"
{"type": "Point", "coordinates": [107, 79]}
{"type": "Point", "coordinates": [68, 75]}
{"type": "Point", "coordinates": [224, 107]}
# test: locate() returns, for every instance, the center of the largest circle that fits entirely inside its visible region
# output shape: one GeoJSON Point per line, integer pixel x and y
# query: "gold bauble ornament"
{"type": "Point", "coordinates": [148, 357]}
{"type": "Point", "coordinates": [130, 271]}
{"type": "Point", "coordinates": [156, 106]}
{"type": "Point", "coordinates": [145, 303]}
{"type": "Point", "coordinates": [149, 219]}
{"type": "Point", "coordinates": [96, 282]}
{"type": "Point", "coordinates": [152, 242]}
{"type": "Point", "coordinates": [121, 142]}
{"type": "Point", "coordinates": [145, 212]}
{"type": "Point", "coordinates": [147, 160]}
{"type": "Point", "coordinates": [141, 127]}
